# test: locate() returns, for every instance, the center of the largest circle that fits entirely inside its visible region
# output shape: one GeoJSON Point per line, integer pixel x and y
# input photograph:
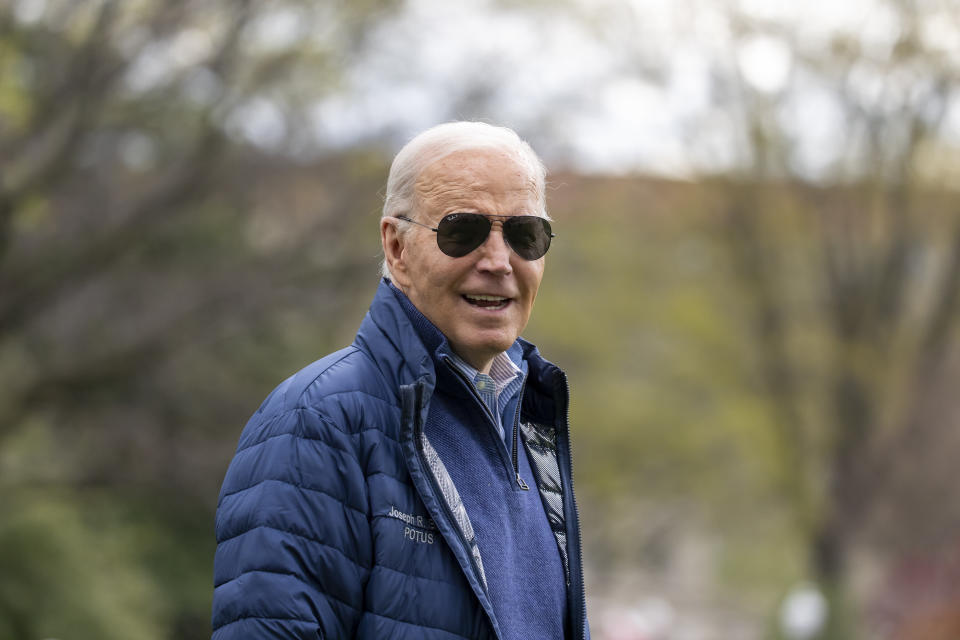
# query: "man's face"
{"type": "Point", "coordinates": [446, 289]}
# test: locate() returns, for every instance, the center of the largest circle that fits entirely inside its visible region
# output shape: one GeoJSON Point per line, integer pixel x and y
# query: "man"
{"type": "Point", "coordinates": [417, 484]}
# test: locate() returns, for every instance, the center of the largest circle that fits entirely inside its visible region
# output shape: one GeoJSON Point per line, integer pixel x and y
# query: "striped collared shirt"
{"type": "Point", "coordinates": [496, 389]}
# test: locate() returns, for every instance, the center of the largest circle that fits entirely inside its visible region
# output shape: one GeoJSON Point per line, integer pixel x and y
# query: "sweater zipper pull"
{"type": "Point", "coordinates": [521, 483]}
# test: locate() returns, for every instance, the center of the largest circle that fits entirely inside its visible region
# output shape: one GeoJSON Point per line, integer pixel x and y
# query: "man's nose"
{"type": "Point", "coordinates": [495, 253]}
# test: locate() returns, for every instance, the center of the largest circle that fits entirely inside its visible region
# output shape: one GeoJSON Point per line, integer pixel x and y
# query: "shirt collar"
{"type": "Point", "coordinates": [503, 369]}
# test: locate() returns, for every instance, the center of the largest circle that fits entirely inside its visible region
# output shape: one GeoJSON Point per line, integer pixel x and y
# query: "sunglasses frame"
{"type": "Point", "coordinates": [489, 217]}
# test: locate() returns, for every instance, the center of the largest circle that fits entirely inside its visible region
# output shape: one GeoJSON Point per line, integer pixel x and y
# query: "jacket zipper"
{"type": "Point", "coordinates": [515, 456]}
{"type": "Point", "coordinates": [581, 618]}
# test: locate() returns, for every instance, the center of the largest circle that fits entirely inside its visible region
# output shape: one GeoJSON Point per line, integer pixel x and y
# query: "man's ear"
{"type": "Point", "coordinates": [394, 246]}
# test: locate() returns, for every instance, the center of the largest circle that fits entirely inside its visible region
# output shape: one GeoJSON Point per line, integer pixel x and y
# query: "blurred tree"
{"type": "Point", "coordinates": [837, 212]}
{"type": "Point", "coordinates": [147, 220]}
{"type": "Point", "coordinates": [867, 275]}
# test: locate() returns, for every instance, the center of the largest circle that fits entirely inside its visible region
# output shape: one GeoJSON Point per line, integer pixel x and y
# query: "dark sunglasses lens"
{"type": "Point", "coordinates": [460, 233]}
{"type": "Point", "coordinates": [529, 236]}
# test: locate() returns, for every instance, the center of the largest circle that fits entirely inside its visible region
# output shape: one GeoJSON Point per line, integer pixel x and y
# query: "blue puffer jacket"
{"type": "Point", "coordinates": [337, 520]}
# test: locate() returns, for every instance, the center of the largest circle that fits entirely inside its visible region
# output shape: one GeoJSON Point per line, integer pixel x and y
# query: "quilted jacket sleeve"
{"type": "Point", "coordinates": [293, 552]}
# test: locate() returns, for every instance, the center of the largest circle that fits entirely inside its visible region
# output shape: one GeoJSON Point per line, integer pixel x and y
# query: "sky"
{"type": "Point", "coordinates": [623, 86]}
{"type": "Point", "coordinates": [607, 86]}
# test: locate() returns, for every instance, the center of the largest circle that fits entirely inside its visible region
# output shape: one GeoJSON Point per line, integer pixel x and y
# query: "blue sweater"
{"type": "Point", "coordinates": [521, 561]}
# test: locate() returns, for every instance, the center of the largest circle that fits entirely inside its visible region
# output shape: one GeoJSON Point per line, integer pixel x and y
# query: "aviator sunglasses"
{"type": "Point", "coordinates": [460, 233]}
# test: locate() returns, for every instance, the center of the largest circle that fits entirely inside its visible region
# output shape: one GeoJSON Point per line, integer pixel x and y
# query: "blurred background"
{"type": "Point", "coordinates": [754, 288]}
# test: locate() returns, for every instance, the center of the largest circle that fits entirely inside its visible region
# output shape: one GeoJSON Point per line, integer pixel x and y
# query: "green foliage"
{"type": "Point", "coordinates": [69, 574]}
{"type": "Point", "coordinates": [641, 309]}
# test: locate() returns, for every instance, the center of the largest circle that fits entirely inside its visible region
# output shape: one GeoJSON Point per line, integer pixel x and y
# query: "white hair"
{"type": "Point", "coordinates": [440, 141]}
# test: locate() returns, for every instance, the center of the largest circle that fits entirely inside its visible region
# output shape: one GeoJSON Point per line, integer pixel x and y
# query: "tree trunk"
{"type": "Point", "coordinates": [829, 565]}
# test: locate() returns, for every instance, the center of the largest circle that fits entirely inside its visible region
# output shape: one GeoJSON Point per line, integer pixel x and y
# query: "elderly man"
{"type": "Point", "coordinates": [417, 484]}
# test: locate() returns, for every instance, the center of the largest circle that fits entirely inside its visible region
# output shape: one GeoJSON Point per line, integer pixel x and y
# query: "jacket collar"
{"type": "Point", "coordinates": [435, 343]}
{"type": "Point", "coordinates": [390, 338]}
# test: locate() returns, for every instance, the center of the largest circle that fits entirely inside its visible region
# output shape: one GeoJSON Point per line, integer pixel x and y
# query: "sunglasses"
{"type": "Point", "coordinates": [460, 233]}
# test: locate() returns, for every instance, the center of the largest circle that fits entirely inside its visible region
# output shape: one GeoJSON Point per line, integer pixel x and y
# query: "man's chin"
{"type": "Point", "coordinates": [485, 349]}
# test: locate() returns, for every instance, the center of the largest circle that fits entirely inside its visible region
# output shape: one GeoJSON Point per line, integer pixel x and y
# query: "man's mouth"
{"type": "Point", "coordinates": [487, 302]}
